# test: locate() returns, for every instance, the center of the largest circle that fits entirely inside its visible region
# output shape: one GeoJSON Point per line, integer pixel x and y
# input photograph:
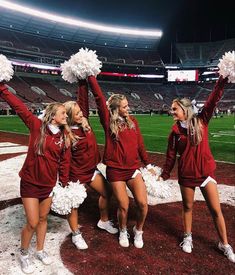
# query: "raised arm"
{"type": "Point", "coordinates": [100, 102]}
{"type": "Point", "coordinates": [213, 99]}
{"type": "Point", "coordinates": [170, 157]}
{"type": "Point", "coordinates": [82, 97]}
{"type": "Point", "coordinates": [17, 105]}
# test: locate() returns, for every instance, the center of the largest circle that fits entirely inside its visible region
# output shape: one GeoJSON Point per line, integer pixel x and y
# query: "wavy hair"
{"type": "Point", "coordinates": [70, 111]}
{"type": "Point", "coordinates": [113, 105]}
{"type": "Point", "coordinates": [50, 112]}
{"type": "Point", "coordinates": [194, 124]}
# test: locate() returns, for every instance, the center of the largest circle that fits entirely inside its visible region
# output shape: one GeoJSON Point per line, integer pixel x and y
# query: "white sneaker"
{"type": "Point", "coordinates": [123, 238]}
{"type": "Point", "coordinates": [138, 238]}
{"type": "Point", "coordinates": [26, 263]}
{"type": "Point", "coordinates": [228, 251]}
{"type": "Point", "coordinates": [108, 226]}
{"type": "Point", "coordinates": [79, 242]}
{"type": "Point", "coordinates": [44, 257]}
{"type": "Point", "coordinates": [187, 244]}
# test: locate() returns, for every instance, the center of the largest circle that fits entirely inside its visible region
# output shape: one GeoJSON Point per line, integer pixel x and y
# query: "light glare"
{"type": "Point", "coordinates": [79, 23]}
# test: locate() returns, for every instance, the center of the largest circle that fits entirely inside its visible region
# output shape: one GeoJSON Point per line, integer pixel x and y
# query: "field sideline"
{"type": "Point", "coordinates": [155, 130]}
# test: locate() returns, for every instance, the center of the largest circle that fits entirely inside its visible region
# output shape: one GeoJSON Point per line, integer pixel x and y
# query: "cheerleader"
{"type": "Point", "coordinates": [83, 167]}
{"type": "Point", "coordinates": [196, 165]}
{"type": "Point", "coordinates": [46, 158]}
{"type": "Point", "coordinates": [123, 147]}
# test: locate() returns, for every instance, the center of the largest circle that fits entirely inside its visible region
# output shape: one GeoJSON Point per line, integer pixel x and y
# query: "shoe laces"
{"type": "Point", "coordinates": [228, 251]}
{"type": "Point", "coordinates": [26, 261]}
{"type": "Point", "coordinates": [42, 255]}
{"type": "Point", "coordinates": [109, 223]}
{"type": "Point", "coordinates": [187, 241]}
{"type": "Point", "coordinates": [79, 238]}
{"type": "Point", "coordinates": [124, 235]}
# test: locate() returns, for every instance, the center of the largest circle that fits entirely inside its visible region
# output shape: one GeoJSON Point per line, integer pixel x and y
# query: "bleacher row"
{"type": "Point", "coordinates": [142, 97]}
{"type": "Point", "coordinates": [52, 50]}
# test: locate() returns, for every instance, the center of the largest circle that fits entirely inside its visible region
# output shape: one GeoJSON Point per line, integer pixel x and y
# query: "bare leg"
{"type": "Point", "coordinates": [73, 220]}
{"type": "Point", "coordinates": [138, 190]}
{"type": "Point", "coordinates": [44, 209]}
{"type": "Point", "coordinates": [211, 196]}
{"type": "Point", "coordinates": [119, 191]}
{"type": "Point", "coordinates": [31, 206]}
{"type": "Point", "coordinates": [100, 185]}
{"type": "Point", "coordinates": [187, 213]}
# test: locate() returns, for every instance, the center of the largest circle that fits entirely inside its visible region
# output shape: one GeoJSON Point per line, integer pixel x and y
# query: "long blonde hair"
{"type": "Point", "coordinates": [113, 105]}
{"type": "Point", "coordinates": [194, 124]}
{"type": "Point", "coordinates": [50, 112]}
{"type": "Point", "coordinates": [70, 110]}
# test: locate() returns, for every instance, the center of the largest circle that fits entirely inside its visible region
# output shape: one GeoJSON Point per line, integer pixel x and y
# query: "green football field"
{"type": "Point", "coordinates": [155, 131]}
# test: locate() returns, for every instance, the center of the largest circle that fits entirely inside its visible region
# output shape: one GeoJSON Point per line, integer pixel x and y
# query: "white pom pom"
{"type": "Point", "coordinates": [159, 189]}
{"type": "Point", "coordinates": [227, 66]}
{"type": "Point", "coordinates": [77, 193]}
{"type": "Point", "coordinates": [61, 203]}
{"type": "Point", "coordinates": [67, 73]}
{"type": "Point", "coordinates": [66, 198]}
{"type": "Point", "coordinates": [81, 65]}
{"type": "Point", "coordinates": [6, 69]}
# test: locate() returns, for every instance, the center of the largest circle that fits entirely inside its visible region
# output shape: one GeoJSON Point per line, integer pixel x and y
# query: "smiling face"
{"type": "Point", "coordinates": [123, 110]}
{"type": "Point", "coordinates": [60, 117]}
{"type": "Point", "coordinates": [77, 115]}
{"type": "Point", "coordinates": [177, 112]}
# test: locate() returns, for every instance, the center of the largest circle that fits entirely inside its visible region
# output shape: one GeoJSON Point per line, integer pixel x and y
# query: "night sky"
{"type": "Point", "coordinates": [180, 20]}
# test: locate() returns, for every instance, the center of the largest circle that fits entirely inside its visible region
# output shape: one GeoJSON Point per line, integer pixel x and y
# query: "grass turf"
{"type": "Point", "coordinates": [155, 130]}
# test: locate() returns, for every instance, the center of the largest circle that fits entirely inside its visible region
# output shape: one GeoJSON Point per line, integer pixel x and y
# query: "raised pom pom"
{"type": "Point", "coordinates": [67, 73]}
{"type": "Point", "coordinates": [64, 199]}
{"type": "Point", "coordinates": [155, 188]}
{"type": "Point", "coordinates": [81, 65]}
{"type": "Point", "coordinates": [227, 66]}
{"type": "Point", "coordinates": [6, 69]}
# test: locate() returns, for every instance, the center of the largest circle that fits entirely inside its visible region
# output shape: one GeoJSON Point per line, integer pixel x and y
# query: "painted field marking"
{"type": "Point", "coordinates": [9, 148]}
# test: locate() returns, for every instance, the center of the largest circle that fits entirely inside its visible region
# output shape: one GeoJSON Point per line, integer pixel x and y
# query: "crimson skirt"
{"type": "Point", "coordinates": [29, 190]}
{"type": "Point", "coordinates": [198, 182]}
{"type": "Point", "coordinates": [116, 174]}
{"type": "Point", "coordinates": [86, 177]}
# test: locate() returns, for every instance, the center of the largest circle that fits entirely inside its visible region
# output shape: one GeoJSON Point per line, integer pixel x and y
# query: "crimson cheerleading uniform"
{"type": "Point", "coordinates": [195, 163]}
{"type": "Point", "coordinates": [85, 153]}
{"type": "Point", "coordinates": [121, 155]}
{"type": "Point", "coordinates": [39, 172]}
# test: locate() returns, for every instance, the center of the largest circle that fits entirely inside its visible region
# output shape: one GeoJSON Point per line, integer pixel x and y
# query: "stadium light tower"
{"type": "Point", "coordinates": [79, 23]}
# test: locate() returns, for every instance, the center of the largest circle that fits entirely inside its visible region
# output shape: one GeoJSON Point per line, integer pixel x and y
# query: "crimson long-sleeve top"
{"type": "Point", "coordinates": [194, 162]}
{"type": "Point", "coordinates": [37, 169]}
{"type": "Point", "coordinates": [126, 151]}
{"type": "Point", "coordinates": [85, 153]}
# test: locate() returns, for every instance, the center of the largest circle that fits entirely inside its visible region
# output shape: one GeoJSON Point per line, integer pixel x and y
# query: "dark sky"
{"type": "Point", "coordinates": [180, 20]}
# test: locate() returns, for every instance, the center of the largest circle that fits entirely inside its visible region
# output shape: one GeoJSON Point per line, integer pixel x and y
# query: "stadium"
{"type": "Point", "coordinates": [37, 41]}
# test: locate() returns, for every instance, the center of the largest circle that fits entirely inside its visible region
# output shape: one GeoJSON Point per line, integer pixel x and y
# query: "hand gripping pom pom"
{"type": "Point", "coordinates": [6, 69]}
{"type": "Point", "coordinates": [66, 198]}
{"type": "Point", "coordinates": [81, 65]}
{"type": "Point", "coordinates": [155, 188]}
{"type": "Point", "coordinates": [227, 66]}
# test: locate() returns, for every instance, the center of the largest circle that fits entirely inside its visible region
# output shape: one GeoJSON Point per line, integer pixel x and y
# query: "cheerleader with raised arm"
{"type": "Point", "coordinates": [84, 160]}
{"type": "Point", "coordinates": [196, 165]}
{"type": "Point", "coordinates": [124, 147]}
{"type": "Point", "coordinates": [47, 157]}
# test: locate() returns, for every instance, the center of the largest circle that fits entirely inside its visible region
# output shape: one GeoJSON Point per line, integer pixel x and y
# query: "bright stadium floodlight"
{"type": "Point", "coordinates": [79, 23]}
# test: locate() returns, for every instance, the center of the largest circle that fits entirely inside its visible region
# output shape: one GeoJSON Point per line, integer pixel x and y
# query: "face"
{"type": "Point", "coordinates": [77, 115]}
{"type": "Point", "coordinates": [60, 117]}
{"type": "Point", "coordinates": [177, 112]}
{"type": "Point", "coordinates": [124, 108]}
